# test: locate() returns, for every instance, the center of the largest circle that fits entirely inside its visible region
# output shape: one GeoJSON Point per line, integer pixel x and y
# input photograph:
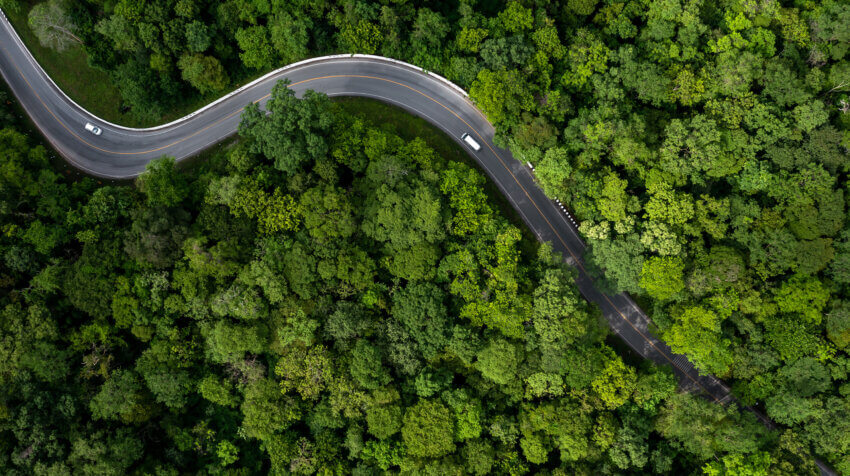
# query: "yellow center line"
{"type": "Point", "coordinates": [551, 227]}
{"type": "Point", "coordinates": [477, 133]}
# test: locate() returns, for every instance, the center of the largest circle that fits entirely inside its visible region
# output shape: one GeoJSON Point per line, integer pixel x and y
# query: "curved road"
{"type": "Point", "coordinates": [123, 152]}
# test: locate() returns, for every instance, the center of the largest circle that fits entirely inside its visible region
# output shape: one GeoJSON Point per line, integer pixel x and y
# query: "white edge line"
{"type": "Point", "coordinates": [265, 77]}
{"type": "Point", "coordinates": [448, 83]}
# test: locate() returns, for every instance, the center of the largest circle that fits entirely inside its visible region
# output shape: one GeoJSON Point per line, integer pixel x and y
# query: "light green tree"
{"type": "Point", "coordinates": [204, 73]}
{"type": "Point", "coordinates": [663, 277]}
{"type": "Point", "coordinates": [427, 429]}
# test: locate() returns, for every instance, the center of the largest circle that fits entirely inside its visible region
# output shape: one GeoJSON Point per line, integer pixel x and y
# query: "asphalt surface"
{"type": "Point", "coordinates": [122, 153]}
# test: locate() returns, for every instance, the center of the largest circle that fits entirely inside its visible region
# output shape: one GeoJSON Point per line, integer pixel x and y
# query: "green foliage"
{"type": "Point", "coordinates": [292, 132]}
{"type": "Point", "coordinates": [256, 47]}
{"type": "Point", "coordinates": [198, 37]}
{"type": "Point", "coordinates": [266, 410]}
{"type": "Point", "coordinates": [498, 361]}
{"type": "Point", "coordinates": [586, 55]}
{"type": "Point", "coordinates": [328, 214]}
{"type": "Point", "coordinates": [361, 37]}
{"type": "Point", "coordinates": [162, 183]}
{"type": "Point", "coordinates": [501, 95]}
{"type": "Point", "coordinates": [703, 428]}
{"type": "Point", "coordinates": [557, 316]}
{"type": "Point", "coordinates": [516, 17]}
{"type": "Point", "coordinates": [122, 397]}
{"type": "Point", "coordinates": [615, 384]}
{"type": "Point", "coordinates": [290, 34]}
{"type": "Point", "coordinates": [427, 429]}
{"type": "Point", "coordinates": [392, 319]}
{"type": "Point", "coordinates": [467, 199]}
{"type": "Point", "coordinates": [11, 5]}
{"type": "Point", "coordinates": [755, 465]}
{"type": "Point", "coordinates": [469, 39]}
{"type": "Point", "coordinates": [227, 453]}
{"type": "Point", "coordinates": [228, 342]}
{"type": "Point", "coordinates": [420, 310]}
{"type": "Point", "coordinates": [217, 391]}
{"type": "Point", "coordinates": [806, 297]}
{"type": "Point", "coordinates": [384, 421]}
{"type": "Point", "coordinates": [702, 146]}
{"type": "Point", "coordinates": [697, 333]}
{"type": "Point", "coordinates": [366, 367]}
{"type": "Point", "coordinates": [204, 73]}
{"type": "Point", "coordinates": [103, 452]}
{"type": "Point", "coordinates": [838, 324]}
{"type": "Point", "coordinates": [662, 277]}
{"type": "Point", "coordinates": [307, 371]}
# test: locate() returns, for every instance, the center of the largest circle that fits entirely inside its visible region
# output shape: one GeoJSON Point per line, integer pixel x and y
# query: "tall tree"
{"type": "Point", "coordinates": [53, 25]}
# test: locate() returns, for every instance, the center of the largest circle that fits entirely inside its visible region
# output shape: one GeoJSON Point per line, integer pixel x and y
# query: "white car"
{"type": "Point", "coordinates": [471, 142]}
{"type": "Point", "coordinates": [93, 129]}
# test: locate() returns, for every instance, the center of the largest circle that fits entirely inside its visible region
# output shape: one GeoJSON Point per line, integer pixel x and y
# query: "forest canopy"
{"type": "Point", "coordinates": [702, 145]}
{"type": "Point", "coordinates": [364, 308]}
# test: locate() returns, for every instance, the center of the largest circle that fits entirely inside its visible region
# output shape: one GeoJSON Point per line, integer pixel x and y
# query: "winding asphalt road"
{"type": "Point", "coordinates": [122, 152]}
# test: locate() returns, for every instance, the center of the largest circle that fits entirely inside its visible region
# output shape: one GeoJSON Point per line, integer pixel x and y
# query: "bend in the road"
{"type": "Point", "coordinates": [122, 152]}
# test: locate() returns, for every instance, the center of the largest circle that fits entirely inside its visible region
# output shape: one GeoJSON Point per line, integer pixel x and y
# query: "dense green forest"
{"type": "Point", "coordinates": [703, 146]}
{"type": "Point", "coordinates": [321, 296]}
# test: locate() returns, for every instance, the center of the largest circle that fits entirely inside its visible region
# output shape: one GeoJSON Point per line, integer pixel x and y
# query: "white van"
{"type": "Point", "coordinates": [471, 142]}
{"type": "Point", "coordinates": [93, 129]}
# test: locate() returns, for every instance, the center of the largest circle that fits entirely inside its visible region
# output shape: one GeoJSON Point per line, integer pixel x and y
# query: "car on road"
{"type": "Point", "coordinates": [93, 129]}
{"type": "Point", "coordinates": [471, 142]}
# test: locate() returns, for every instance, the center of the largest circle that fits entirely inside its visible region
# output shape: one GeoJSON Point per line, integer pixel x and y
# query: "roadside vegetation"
{"type": "Point", "coordinates": [703, 146]}
{"type": "Point", "coordinates": [399, 122]}
{"type": "Point", "coordinates": [70, 70]}
{"type": "Point", "coordinates": [319, 296]}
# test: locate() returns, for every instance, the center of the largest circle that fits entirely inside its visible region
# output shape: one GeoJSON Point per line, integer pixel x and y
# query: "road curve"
{"type": "Point", "coordinates": [121, 153]}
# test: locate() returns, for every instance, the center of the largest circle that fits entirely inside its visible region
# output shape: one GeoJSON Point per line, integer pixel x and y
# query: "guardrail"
{"type": "Point", "coordinates": [555, 201]}
{"type": "Point", "coordinates": [825, 470]}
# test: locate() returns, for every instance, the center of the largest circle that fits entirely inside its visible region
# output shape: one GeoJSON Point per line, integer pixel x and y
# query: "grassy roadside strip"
{"type": "Point", "coordinates": [87, 86]}
{"type": "Point", "coordinates": [92, 88]}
